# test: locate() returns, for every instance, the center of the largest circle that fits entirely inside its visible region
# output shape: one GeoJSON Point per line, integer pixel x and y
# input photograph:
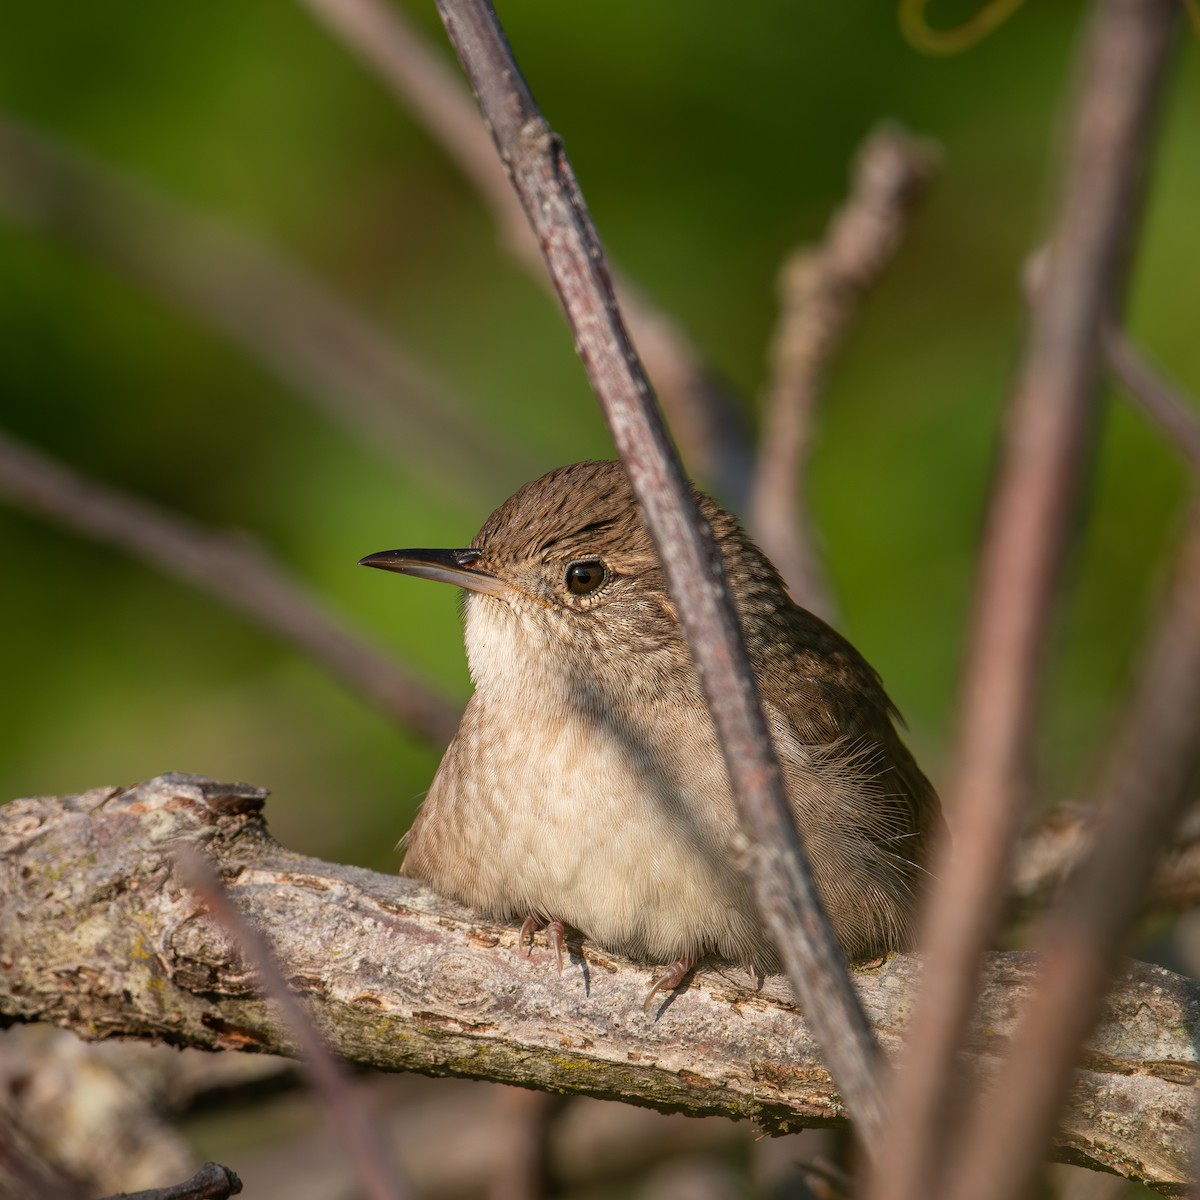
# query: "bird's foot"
{"type": "Point", "coordinates": [555, 935]}
{"type": "Point", "coordinates": [674, 975]}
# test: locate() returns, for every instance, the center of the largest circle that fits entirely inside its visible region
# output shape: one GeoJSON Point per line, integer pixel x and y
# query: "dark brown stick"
{"type": "Point", "coordinates": [211, 1182]}
{"type": "Point", "coordinates": [1154, 757]}
{"type": "Point", "coordinates": [774, 860]}
{"type": "Point", "coordinates": [1056, 847]}
{"type": "Point", "coordinates": [821, 291]}
{"type": "Point", "coordinates": [229, 567]}
{"type": "Point", "coordinates": [706, 418]}
{"type": "Point", "coordinates": [313, 340]}
{"type": "Point", "coordinates": [1028, 524]}
{"type": "Point", "coordinates": [345, 1105]}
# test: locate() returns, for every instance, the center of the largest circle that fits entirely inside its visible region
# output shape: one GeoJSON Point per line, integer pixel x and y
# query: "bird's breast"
{"type": "Point", "coordinates": [569, 809]}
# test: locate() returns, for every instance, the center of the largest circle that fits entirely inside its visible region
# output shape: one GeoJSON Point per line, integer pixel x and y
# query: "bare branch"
{"type": "Point", "coordinates": [344, 1104]}
{"type": "Point", "coordinates": [775, 862]}
{"type": "Point", "coordinates": [230, 568]}
{"type": "Point", "coordinates": [1155, 756]}
{"type": "Point", "coordinates": [1155, 394]}
{"type": "Point", "coordinates": [296, 327]}
{"type": "Point", "coordinates": [821, 290]}
{"type": "Point", "coordinates": [705, 417]}
{"type": "Point", "coordinates": [1143, 384]}
{"type": "Point", "coordinates": [211, 1182]}
{"type": "Point", "coordinates": [99, 935]}
{"type": "Point", "coordinates": [1028, 523]}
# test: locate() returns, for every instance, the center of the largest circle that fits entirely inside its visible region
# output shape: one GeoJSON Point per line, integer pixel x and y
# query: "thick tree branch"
{"type": "Point", "coordinates": [98, 933]}
{"type": "Point", "coordinates": [773, 859]}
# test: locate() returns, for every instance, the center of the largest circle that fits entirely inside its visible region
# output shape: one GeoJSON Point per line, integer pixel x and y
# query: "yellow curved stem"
{"type": "Point", "coordinates": [922, 36]}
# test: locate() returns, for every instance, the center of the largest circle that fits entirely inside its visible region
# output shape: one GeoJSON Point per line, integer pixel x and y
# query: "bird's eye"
{"type": "Point", "coordinates": [586, 576]}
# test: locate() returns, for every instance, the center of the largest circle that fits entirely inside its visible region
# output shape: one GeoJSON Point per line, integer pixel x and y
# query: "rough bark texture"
{"type": "Point", "coordinates": [97, 934]}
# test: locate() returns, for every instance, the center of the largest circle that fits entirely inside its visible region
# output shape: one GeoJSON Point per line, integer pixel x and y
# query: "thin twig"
{"type": "Point", "coordinates": [345, 1105]}
{"type": "Point", "coordinates": [1156, 395]}
{"type": "Point", "coordinates": [1143, 384]}
{"type": "Point", "coordinates": [1054, 849]}
{"type": "Point", "coordinates": [705, 417]}
{"type": "Point", "coordinates": [229, 567]}
{"type": "Point", "coordinates": [1027, 530]}
{"type": "Point", "coordinates": [821, 290]}
{"type": "Point", "coordinates": [211, 1182]}
{"type": "Point", "coordinates": [1154, 758]}
{"type": "Point", "coordinates": [774, 858]}
{"type": "Point", "coordinates": [309, 337]}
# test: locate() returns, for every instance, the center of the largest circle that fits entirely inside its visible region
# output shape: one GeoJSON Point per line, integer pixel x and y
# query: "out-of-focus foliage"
{"type": "Point", "coordinates": [709, 140]}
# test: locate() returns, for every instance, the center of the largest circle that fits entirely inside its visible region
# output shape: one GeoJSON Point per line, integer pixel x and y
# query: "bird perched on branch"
{"type": "Point", "coordinates": [585, 786]}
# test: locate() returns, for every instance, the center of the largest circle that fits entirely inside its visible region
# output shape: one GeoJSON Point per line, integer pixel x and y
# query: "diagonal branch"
{"type": "Point", "coordinates": [1144, 385]}
{"type": "Point", "coordinates": [299, 329]}
{"type": "Point", "coordinates": [345, 1105]}
{"type": "Point", "coordinates": [229, 567]}
{"type": "Point", "coordinates": [1158, 398]}
{"type": "Point", "coordinates": [99, 934]}
{"type": "Point", "coordinates": [1028, 526]}
{"type": "Point", "coordinates": [704, 415]}
{"type": "Point", "coordinates": [775, 862]}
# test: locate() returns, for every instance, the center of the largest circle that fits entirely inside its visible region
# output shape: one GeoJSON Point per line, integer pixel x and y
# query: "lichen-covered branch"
{"type": "Point", "coordinates": [98, 933]}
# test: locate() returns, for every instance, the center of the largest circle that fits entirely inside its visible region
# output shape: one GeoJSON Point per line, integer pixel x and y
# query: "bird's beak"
{"type": "Point", "coordinates": [446, 566]}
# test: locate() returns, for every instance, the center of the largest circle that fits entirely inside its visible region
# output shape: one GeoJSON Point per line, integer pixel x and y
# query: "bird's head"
{"type": "Point", "coordinates": [564, 578]}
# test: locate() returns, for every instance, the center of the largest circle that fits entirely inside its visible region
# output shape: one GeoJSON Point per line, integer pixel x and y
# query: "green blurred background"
{"type": "Point", "coordinates": [709, 141]}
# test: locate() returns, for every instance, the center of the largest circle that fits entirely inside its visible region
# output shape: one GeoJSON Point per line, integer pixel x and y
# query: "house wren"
{"type": "Point", "coordinates": [585, 786]}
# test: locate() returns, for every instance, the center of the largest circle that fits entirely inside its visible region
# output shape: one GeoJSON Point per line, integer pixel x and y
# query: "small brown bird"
{"type": "Point", "coordinates": [585, 787]}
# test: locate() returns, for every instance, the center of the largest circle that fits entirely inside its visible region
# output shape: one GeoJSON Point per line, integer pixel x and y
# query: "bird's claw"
{"type": "Point", "coordinates": [670, 979]}
{"type": "Point", "coordinates": [555, 935]}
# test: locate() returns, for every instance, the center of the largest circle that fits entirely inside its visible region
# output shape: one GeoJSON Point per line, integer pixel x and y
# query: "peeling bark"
{"type": "Point", "coordinates": [97, 934]}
